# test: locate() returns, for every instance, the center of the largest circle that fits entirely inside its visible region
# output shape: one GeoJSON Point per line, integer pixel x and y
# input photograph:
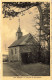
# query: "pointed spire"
{"type": "Point", "coordinates": [19, 22]}
{"type": "Point", "coordinates": [19, 33]}
{"type": "Point", "coordinates": [19, 30]}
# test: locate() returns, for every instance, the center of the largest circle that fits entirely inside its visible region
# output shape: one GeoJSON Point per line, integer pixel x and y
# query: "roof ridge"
{"type": "Point", "coordinates": [21, 41]}
{"type": "Point", "coordinates": [26, 36]}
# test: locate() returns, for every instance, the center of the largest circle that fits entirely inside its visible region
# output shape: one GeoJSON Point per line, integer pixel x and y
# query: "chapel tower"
{"type": "Point", "coordinates": [19, 33]}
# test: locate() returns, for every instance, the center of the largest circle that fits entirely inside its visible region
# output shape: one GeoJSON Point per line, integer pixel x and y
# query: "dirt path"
{"type": "Point", "coordinates": [7, 70]}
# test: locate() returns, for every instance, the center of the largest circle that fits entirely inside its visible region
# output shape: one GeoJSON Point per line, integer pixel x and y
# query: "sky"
{"type": "Point", "coordinates": [10, 27]}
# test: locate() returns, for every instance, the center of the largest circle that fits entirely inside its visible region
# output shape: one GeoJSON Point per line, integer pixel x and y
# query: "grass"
{"type": "Point", "coordinates": [35, 69]}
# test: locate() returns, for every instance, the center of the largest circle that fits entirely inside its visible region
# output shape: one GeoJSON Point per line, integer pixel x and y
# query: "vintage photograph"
{"type": "Point", "coordinates": [26, 38]}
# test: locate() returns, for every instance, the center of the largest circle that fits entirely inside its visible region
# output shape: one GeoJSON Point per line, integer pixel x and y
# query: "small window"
{"type": "Point", "coordinates": [11, 51]}
{"type": "Point", "coordinates": [15, 50]}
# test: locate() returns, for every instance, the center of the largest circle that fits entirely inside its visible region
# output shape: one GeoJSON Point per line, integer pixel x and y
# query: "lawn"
{"type": "Point", "coordinates": [35, 69]}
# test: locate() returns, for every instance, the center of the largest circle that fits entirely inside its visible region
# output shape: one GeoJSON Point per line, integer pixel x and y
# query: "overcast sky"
{"type": "Point", "coordinates": [10, 27]}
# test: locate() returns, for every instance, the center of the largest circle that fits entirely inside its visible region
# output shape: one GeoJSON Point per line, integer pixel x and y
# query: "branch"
{"type": "Point", "coordinates": [26, 5]}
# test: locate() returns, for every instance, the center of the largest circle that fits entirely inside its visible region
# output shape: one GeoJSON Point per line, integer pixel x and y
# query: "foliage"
{"type": "Point", "coordinates": [7, 8]}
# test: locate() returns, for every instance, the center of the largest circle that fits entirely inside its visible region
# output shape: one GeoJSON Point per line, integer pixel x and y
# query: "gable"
{"type": "Point", "coordinates": [31, 41]}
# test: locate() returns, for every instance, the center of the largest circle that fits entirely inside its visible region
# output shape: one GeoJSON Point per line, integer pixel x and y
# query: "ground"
{"type": "Point", "coordinates": [35, 69]}
{"type": "Point", "coordinates": [7, 70]}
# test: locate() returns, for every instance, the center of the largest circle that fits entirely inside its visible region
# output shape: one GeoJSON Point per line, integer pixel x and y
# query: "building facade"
{"type": "Point", "coordinates": [23, 48]}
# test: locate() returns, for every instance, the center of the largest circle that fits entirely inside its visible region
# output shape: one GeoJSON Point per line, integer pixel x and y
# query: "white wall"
{"type": "Point", "coordinates": [15, 56]}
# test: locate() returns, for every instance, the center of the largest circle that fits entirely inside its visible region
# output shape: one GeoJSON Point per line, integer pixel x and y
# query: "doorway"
{"type": "Point", "coordinates": [24, 57]}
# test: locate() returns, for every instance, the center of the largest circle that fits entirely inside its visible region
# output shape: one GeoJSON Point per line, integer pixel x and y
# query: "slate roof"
{"type": "Point", "coordinates": [21, 41]}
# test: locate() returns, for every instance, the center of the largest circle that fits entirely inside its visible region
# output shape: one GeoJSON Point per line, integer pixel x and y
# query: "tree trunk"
{"type": "Point", "coordinates": [41, 24]}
